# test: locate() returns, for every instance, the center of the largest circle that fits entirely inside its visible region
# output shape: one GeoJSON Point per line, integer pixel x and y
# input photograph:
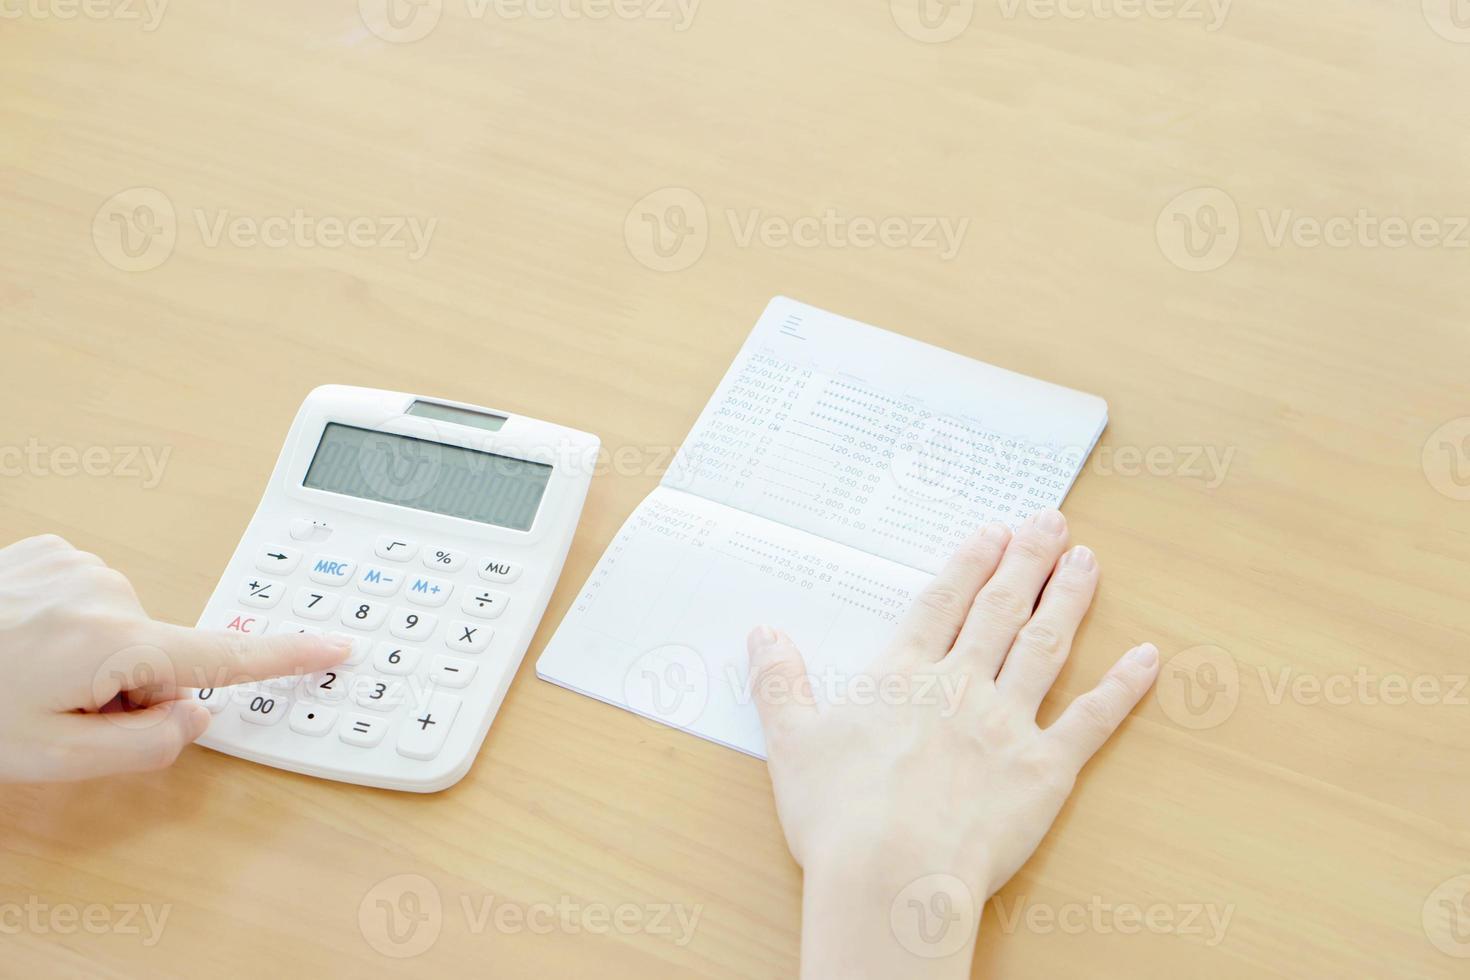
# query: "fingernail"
{"type": "Point", "coordinates": [339, 642]}
{"type": "Point", "coordinates": [199, 718]}
{"type": "Point", "coordinates": [1051, 521]}
{"type": "Point", "coordinates": [1144, 656]}
{"type": "Point", "coordinates": [1081, 557]}
{"type": "Point", "coordinates": [765, 636]}
{"type": "Point", "coordinates": [995, 532]}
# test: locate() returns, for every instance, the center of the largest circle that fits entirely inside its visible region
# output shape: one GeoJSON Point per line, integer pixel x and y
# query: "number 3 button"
{"type": "Point", "coordinates": [363, 615]}
{"type": "Point", "coordinates": [407, 624]}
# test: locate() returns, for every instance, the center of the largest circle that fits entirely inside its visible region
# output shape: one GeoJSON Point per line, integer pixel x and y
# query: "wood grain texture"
{"type": "Point", "coordinates": [1329, 547]}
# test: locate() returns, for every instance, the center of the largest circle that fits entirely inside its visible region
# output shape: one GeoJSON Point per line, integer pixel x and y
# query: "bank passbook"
{"type": "Point", "coordinates": [829, 477]}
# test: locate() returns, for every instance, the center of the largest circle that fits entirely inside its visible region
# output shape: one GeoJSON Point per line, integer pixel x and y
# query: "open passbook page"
{"type": "Point", "coordinates": [833, 471]}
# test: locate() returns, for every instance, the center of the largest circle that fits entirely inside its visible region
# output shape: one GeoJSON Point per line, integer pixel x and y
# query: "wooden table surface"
{"type": "Point", "coordinates": [1244, 226]}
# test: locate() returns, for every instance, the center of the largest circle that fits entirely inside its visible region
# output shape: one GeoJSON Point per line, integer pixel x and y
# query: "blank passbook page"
{"type": "Point", "coordinates": [833, 471]}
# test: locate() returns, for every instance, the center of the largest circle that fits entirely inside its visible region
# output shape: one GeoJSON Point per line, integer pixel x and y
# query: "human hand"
{"type": "Point", "coordinates": [938, 798]}
{"type": "Point", "coordinates": [93, 686]}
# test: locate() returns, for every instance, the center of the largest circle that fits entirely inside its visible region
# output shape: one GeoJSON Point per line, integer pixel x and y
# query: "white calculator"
{"type": "Point", "coordinates": [432, 533]}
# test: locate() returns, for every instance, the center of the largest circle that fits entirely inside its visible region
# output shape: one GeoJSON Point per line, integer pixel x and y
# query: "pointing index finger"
{"type": "Point", "coordinates": [215, 658]}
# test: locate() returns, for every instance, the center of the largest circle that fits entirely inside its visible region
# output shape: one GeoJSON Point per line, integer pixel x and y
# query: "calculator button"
{"type": "Point", "coordinates": [395, 549]}
{"type": "Point", "coordinates": [378, 693]}
{"type": "Point", "coordinates": [302, 529]}
{"type": "Point", "coordinates": [277, 559]}
{"type": "Point", "coordinates": [496, 570]}
{"type": "Point", "coordinates": [362, 730]}
{"type": "Point", "coordinates": [426, 727]}
{"type": "Point", "coordinates": [315, 604]}
{"type": "Point", "coordinates": [214, 698]}
{"type": "Point", "coordinates": [379, 581]}
{"type": "Point", "coordinates": [428, 591]}
{"type": "Point", "coordinates": [360, 646]}
{"type": "Point", "coordinates": [312, 719]}
{"type": "Point", "coordinates": [330, 571]}
{"type": "Point", "coordinates": [410, 624]}
{"type": "Point", "coordinates": [449, 672]}
{"type": "Point", "coordinates": [468, 637]}
{"type": "Point", "coordinates": [260, 592]}
{"type": "Point", "coordinates": [263, 707]}
{"type": "Point", "coordinates": [290, 627]}
{"type": "Point", "coordinates": [364, 615]}
{"type": "Point", "coordinates": [239, 622]}
{"type": "Point", "coordinates": [282, 685]}
{"type": "Point", "coordinates": [485, 603]}
{"type": "Point", "coordinates": [444, 559]}
{"type": "Point", "coordinates": [395, 658]}
{"type": "Point", "coordinates": [328, 686]}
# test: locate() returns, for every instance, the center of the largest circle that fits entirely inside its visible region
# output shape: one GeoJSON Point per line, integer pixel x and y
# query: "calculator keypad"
{"type": "Point", "coordinates": [404, 661]}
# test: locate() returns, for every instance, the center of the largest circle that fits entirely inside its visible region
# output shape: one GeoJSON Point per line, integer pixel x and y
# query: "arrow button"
{"type": "Point", "coordinates": [275, 558]}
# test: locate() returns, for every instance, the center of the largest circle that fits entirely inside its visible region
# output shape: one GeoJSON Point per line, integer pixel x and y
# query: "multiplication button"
{"type": "Point", "coordinates": [468, 637]}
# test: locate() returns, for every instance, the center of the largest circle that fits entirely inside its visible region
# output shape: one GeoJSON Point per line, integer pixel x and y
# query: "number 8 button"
{"type": "Point", "coordinates": [363, 615]}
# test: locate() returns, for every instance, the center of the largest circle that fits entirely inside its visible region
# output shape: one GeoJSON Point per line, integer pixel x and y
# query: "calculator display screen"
{"type": "Point", "coordinates": [428, 476]}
